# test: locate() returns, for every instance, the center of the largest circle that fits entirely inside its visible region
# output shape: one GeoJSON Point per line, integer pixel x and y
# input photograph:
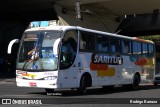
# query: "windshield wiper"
{"type": "Point", "coordinates": [23, 68]}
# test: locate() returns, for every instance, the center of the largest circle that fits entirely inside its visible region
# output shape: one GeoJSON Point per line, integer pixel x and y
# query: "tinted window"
{"type": "Point", "coordinates": [114, 45]}
{"type": "Point", "coordinates": [144, 49]}
{"type": "Point", "coordinates": [87, 41]}
{"type": "Point", "coordinates": [125, 47]}
{"type": "Point", "coordinates": [151, 49]}
{"type": "Point", "coordinates": [102, 43]}
{"type": "Point", "coordinates": [136, 48]}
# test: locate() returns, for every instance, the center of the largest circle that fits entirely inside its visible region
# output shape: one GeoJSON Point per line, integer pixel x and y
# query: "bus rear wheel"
{"type": "Point", "coordinates": [135, 84]}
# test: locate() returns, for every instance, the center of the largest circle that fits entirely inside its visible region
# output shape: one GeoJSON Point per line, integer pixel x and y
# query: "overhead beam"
{"type": "Point", "coordinates": [48, 14]}
{"type": "Point", "coordinates": [141, 24]}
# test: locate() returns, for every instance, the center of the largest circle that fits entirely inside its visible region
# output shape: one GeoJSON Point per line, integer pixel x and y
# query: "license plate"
{"type": "Point", "coordinates": [32, 84]}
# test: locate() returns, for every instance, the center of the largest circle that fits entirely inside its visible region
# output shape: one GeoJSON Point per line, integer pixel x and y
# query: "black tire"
{"type": "Point", "coordinates": [136, 82]}
{"type": "Point", "coordinates": [49, 90]}
{"type": "Point", "coordinates": [155, 84]}
{"type": "Point", "coordinates": [135, 85]}
{"type": "Point", "coordinates": [83, 86]}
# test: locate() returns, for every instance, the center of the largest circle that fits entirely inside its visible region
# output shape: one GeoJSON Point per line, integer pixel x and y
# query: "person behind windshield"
{"type": "Point", "coordinates": [34, 54]}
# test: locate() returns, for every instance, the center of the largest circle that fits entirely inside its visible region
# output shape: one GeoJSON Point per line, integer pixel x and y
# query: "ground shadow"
{"type": "Point", "coordinates": [94, 91]}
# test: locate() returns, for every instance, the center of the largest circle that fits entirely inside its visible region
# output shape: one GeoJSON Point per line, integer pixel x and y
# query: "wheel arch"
{"type": "Point", "coordinates": [88, 77]}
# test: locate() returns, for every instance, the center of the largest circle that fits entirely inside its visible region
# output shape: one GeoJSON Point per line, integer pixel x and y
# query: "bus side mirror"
{"type": "Point", "coordinates": [11, 44]}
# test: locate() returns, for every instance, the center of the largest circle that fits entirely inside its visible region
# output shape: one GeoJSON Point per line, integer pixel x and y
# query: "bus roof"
{"type": "Point", "coordinates": [59, 28]}
{"type": "Point", "coordinates": [64, 28]}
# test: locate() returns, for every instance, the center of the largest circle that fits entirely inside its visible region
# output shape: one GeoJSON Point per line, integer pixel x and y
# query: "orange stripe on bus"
{"type": "Point", "coordinates": [98, 66]}
{"type": "Point", "coordinates": [141, 61]}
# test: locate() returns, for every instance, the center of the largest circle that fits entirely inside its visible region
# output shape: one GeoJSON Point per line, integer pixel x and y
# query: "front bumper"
{"type": "Point", "coordinates": [39, 84]}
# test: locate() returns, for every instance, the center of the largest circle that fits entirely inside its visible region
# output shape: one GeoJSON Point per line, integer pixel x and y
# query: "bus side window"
{"type": "Point", "coordinates": [125, 47]}
{"type": "Point", "coordinates": [102, 43]}
{"type": "Point", "coordinates": [83, 42]}
{"type": "Point", "coordinates": [114, 45]}
{"type": "Point", "coordinates": [145, 49]}
{"type": "Point", "coordinates": [87, 41]}
{"type": "Point", "coordinates": [151, 50]}
{"type": "Point", "coordinates": [136, 48]}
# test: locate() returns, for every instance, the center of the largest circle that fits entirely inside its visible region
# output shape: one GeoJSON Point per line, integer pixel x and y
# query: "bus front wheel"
{"type": "Point", "coordinates": [83, 85]}
{"type": "Point", "coordinates": [49, 90]}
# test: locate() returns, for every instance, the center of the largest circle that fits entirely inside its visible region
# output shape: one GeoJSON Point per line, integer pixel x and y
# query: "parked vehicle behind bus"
{"type": "Point", "coordinates": [69, 57]}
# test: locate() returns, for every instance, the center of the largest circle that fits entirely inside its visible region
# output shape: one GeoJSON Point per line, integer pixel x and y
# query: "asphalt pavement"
{"type": "Point", "coordinates": [7, 80]}
{"type": "Point", "coordinates": [7, 75]}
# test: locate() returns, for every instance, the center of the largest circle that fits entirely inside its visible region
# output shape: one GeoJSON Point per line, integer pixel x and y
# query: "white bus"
{"type": "Point", "coordinates": [69, 57]}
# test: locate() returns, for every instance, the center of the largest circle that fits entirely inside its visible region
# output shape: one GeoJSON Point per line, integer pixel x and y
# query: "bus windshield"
{"type": "Point", "coordinates": [37, 51]}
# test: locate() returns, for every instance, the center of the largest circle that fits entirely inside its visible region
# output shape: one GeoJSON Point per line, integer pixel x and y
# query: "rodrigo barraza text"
{"type": "Point", "coordinates": [143, 102]}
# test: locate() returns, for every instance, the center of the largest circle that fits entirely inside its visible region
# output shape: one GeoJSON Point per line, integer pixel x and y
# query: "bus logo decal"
{"type": "Point", "coordinates": [105, 59]}
{"type": "Point", "coordinates": [100, 62]}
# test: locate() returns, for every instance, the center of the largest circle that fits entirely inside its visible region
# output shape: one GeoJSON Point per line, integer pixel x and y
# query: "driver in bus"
{"type": "Point", "coordinates": [34, 54]}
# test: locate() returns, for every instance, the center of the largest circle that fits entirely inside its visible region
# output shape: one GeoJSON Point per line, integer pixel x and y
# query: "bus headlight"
{"type": "Point", "coordinates": [19, 77]}
{"type": "Point", "coordinates": [50, 78]}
